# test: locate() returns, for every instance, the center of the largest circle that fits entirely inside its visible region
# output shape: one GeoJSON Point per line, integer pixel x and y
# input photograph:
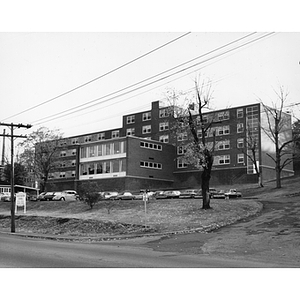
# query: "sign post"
{"type": "Point", "coordinates": [21, 201]}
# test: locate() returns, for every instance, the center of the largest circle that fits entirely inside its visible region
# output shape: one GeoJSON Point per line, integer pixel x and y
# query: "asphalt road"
{"type": "Point", "coordinates": [21, 252]}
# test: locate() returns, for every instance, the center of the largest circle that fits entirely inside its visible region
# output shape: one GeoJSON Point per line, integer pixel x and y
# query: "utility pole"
{"type": "Point", "coordinates": [12, 180]}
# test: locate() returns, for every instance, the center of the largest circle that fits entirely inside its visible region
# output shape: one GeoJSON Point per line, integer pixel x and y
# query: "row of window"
{"type": "Point", "coordinates": [67, 174]}
{"type": "Point", "coordinates": [101, 167]}
{"type": "Point", "coordinates": [151, 146]}
{"type": "Point", "coordinates": [70, 152]}
{"type": "Point", "coordinates": [103, 149]}
{"type": "Point", "coordinates": [147, 116]}
{"type": "Point", "coordinates": [218, 160]}
{"type": "Point", "coordinates": [151, 165]}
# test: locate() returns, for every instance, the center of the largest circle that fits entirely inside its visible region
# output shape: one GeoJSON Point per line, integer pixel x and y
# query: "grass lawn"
{"type": "Point", "coordinates": [76, 218]}
{"type": "Point", "coordinates": [128, 217]}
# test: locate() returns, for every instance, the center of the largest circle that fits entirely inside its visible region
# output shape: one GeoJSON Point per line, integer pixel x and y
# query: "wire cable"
{"type": "Point", "coordinates": [99, 77]}
{"type": "Point", "coordinates": [149, 78]}
{"type": "Point", "coordinates": [80, 107]}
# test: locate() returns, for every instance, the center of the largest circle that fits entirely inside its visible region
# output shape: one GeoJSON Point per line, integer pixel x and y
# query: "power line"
{"type": "Point", "coordinates": [99, 77]}
{"type": "Point", "coordinates": [149, 78]}
{"type": "Point", "coordinates": [81, 107]}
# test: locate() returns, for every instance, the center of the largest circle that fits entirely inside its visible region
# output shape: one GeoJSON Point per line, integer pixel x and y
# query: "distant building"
{"type": "Point", "coordinates": [145, 153]}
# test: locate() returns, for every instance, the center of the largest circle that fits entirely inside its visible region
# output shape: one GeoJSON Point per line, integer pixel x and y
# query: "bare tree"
{"type": "Point", "coordinates": [40, 153]}
{"type": "Point", "coordinates": [251, 152]}
{"type": "Point", "coordinates": [198, 151]}
{"type": "Point", "coordinates": [278, 129]}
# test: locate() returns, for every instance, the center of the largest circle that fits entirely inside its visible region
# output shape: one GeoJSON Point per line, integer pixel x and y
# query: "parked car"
{"type": "Point", "coordinates": [160, 195]}
{"type": "Point", "coordinates": [108, 195]}
{"type": "Point", "coordinates": [212, 192]}
{"type": "Point", "coordinates": [5, 196]}
{"type": "Point", "coordinates": [41, 196]}
{"type": "Point", "coordinates": [219, 195]}
{"type": "Point", "coordinates": [172, 194]}
{"type": "Point", "coordinates": [67, 195]}
{"type": "Point", "coordinates": [188, 194]}
{"type": "Point", "coordinates": [49, 196]}
{"type": "Point", "coordinates": [125, 196]}
{"type": "Point", "coordinates": [233, 193]}
{"type": "Point", "coordinates": [138, 196]}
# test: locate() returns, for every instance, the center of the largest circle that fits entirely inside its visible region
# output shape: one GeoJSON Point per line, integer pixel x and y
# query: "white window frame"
{"type": "Point", "coordinates": [240, 158]}
{"type": "Point", "coordinates": [115, 134]}
{"type": "Point", "coordinates": [130, 119]}
{"type": "Point", "coordinates": [240, 127]}
{"type": "Point", "coordinates": [163, 126]}
{"type": "Point", "coordinates": [164, 138]}
{"type": "Point", "coordinates": [130, 131]}
{"type": "Point", "coordinates": [146, 129]}
{"type": "Point", "coordinates": [240, 113]}
{"type": "Point", "coordinates": [146, 116]}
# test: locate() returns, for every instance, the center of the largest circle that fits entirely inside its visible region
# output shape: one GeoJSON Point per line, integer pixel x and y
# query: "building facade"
{"type": "Point", "coordinates": [146, 152]}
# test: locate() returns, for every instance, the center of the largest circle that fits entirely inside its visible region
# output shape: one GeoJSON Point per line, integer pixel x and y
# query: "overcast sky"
{"type": "Point", "coordinates": [37, 67]}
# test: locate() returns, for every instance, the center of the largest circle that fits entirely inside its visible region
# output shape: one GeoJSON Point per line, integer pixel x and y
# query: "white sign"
{"type": "Point", "coordinates": [21, 200]}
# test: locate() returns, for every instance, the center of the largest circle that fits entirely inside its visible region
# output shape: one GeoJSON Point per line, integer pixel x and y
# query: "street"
{"type": "Point", "coordinates": [21, 252]}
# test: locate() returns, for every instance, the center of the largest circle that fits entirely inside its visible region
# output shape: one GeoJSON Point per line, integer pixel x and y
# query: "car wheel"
{"type": "Point", "coordinates": [62, 199]}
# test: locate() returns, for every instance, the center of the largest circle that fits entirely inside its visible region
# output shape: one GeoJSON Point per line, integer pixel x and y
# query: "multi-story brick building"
{"type": "Point", "coordinates": [145, 152]}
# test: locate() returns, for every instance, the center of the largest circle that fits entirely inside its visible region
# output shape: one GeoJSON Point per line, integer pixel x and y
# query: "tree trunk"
{"type": "Point", "coordinates": [205, 188]}
{"type": "Point", "coordinates": [260, 183]}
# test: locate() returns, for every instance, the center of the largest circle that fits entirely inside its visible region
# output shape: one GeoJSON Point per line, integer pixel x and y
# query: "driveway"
{"type": "Point", "coordinates": [271, 237]}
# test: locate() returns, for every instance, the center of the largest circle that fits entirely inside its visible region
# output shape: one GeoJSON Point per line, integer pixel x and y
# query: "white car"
{"type": "Point", "coordinates": [67, 195]}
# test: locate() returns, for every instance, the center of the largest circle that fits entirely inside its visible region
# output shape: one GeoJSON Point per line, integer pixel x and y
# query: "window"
{"type": "Point", "coordinates": [181, 150]}
{"type": "Point", "coordinates": [226, 129]}
{"type": "Point", "coordinates": [75, 141]}
{"type": "Point", "coordinates": [240, 127]}
{"type": "Point", "coordinates": [181, 163]}
{"type": "Point", "coordinates": [62, 174]}
{"type": "Point", "coordinates": [73, 173]}
{"type": "Point", "coordinates": [131, 119]}
{"type": "Point", "coordinates": [130, 131]}
{"type": "Point", "coordinates": [63, 153]}
{"type": "Point", "coordinates": [163, 113]}
{"type": "Point", "coordinates": [73, 162]}
{"type": "Point", "coordinates": [163, 126]}
{"type": "Point", "coordinates": [224, 159]}
{"type": "Point", "coordinates": [224, 115]}
{"type": "Point", "coordinates": [182, 136]}
{"type": "Point", "coordinates": [240, 113]}
{"type": "Point", "coordinates": [91, 169]}
{"type": "Point", "coordinates": [240, 158]}
{"type": "Point", "coordinates": [146, 116]}
{"type": "Point", "coordinates": [164, 138]}
{"type": "Point", "coordinates": [101, 136]}
{"type": "Point", "coordinates": [146, 129]}
{"type": "Point", "coordinates": [88, 138]}
{"type": "Point", "coordinates": [223, 145]}
{"type": "Point", "coordinates": [240, 143]}
{"type": "Point", "coordinates": [92, 151]}
{"type": "Point", "coordinates": [115, 134]}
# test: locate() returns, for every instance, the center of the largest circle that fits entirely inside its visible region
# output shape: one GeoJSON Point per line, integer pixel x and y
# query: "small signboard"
{"type": "Point", "coordinates": [21, 200]}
